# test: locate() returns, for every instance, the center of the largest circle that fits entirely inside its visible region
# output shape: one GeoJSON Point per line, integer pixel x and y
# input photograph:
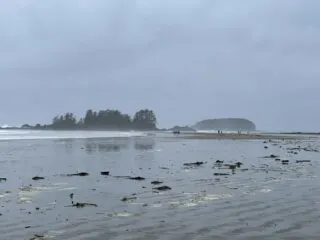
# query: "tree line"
{"type": "Point", "coordinates": [109, 119]}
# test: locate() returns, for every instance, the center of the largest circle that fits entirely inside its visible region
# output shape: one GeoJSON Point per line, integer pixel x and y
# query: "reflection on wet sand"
{"type": "Point", "coordinates": [144, 143]}
{"type": "Point", "coordinates": [106, 145]}
{"type": "Point", "coordinates": [149, 188]}
{"type": "Point", "coordinates": [118, 144]}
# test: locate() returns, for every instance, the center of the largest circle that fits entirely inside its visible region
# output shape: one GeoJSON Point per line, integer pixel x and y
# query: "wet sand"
{"type": "Point", "coordinates": [243, 136]}
{"type": "Point", "coordinates": [263, 198]}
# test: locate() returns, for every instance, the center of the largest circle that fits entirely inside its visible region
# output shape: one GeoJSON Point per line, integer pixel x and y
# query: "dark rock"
{"type": "Point", "coordinates": [81, 174]}
{"type": "Point", "coordinates": [156, 182]}
{"type": "Point", "coordinates": [277, 159]}
{"type": "Point", "coordinates": [27, 227]}
{"type": "Point", "coordinates": [232, 167]}
{"type": "Point", "coordinates": [105, 173]}
{"type": "Point", "coordinates": [193, 164]}
{"type": "Point", "coordinates": [162, 188]}
{"type": "Point", "coordinates": [3, 179]}
{"type": "Point", "coordinates": [125, 199]}
{"type": "Point", "coordinates": [219, 161]}
{"type": "Point", "coordinates": [36, 178]}
{"type": "Point", "coordinates": [285, 162]}
{"type": "Point", "coordinates": [238, 164]}
{"type": "Point", "coordinates": [221, 174]}
{"type": "Point", "coordinates": [37, 208]}
{"type": "Point", "coordinates": [266, 147]}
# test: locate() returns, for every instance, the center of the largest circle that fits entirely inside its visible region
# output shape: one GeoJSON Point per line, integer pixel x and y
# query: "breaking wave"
{"type": "Point", "coordinates": [33, 135]}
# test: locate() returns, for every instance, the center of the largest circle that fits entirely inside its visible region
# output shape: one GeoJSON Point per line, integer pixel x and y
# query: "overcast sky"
{"type": "Point", "coordinates": [185, 59]}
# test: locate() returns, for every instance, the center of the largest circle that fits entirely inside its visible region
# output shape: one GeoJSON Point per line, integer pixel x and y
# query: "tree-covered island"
{"type": "Point", "coordinates": [109, 119]}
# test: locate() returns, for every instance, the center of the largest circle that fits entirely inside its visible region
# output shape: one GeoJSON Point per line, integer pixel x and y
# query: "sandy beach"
{"type": "Point", "coordinates": [117, 186]}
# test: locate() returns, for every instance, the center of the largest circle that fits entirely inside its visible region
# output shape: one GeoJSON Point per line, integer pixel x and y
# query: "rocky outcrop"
{"type": "Point", "coordinates": [228, 124]}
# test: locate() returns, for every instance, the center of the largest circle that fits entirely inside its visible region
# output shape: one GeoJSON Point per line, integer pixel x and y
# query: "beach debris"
{"type": "Point", "coordinates": [277, 159]}
{"type": "Point", "coordinates": [36, 178]}
{"type": "Point", "coordinates": [81, 174]}
{"type": "Point", "coordinates": [37, 237]}
{"type": "Point", "coordinates": [27, 227]}
{"type": "Point", "coordinates": [82, 205]}
{"type": "Point", "coordinates": [271, 156]}
{"type": "Point", "coordinates": [71, 197]}
{"type": "Point", "coordinates": [164, 168]}
{"type": "Point", "coordinates": [266, 147]}
{"type": "Point", "coordinates": [193, 164]}
{"type": "Point", "coordinates": [137, 178]}
{"type": "Point", "coordinates": [3, 179]}
{"type": "Point", "coordinates": [219, 162]}
{"type": "Point", "coordinates": [106, 173]}
{"type": "Point", "coordinates": [285, 162]}
{"type": "Point", "coordinates": [162, 188]}
{"type": "Point", "coordinates": [221, 174]}
{"type": "Point", "coordinates": [293, 152]}
{"type": "Point", "coordinates": [303, 161]}
{"type": "Point", "coordinates": [156, 182]}
{"type": "Point", "coordinates": [131, 178]}
{"type": "Point", "coordinates": [245, 169]}
{"type": "Point", "coordinates": [126, 199]}
{"type": "Point", "coordinates": [306, 149]}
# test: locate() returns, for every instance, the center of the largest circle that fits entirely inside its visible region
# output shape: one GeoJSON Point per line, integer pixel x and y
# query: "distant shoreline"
{"type": "Point", "coordinates": [246, 136]}
{"type": "Point", "coordinates": [196, 135]}
{"type": "Point", "coordinates": [183, 133]}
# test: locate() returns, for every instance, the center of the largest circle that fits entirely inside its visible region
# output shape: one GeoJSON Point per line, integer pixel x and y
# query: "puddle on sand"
{"type": "Point", "coordinates": [199, 199]}
{"type": "Point", "coordinates": [266, 190]}
{"type": "Point", "coordinates": [26, 193]}
{"type": "Point", "coordinates": [123, 214]}
{"type": "Point", "coordinates": [158, 205]}
{"type": "Point", "coordinates": [2, 195]}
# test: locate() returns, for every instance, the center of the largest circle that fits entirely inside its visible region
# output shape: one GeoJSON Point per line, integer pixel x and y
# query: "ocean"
{"type": "Point", "coordinates": [264, 198]}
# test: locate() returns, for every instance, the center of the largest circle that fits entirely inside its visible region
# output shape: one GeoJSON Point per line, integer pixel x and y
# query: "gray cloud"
{"type": "Point", "coordinates": [187, 60]}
